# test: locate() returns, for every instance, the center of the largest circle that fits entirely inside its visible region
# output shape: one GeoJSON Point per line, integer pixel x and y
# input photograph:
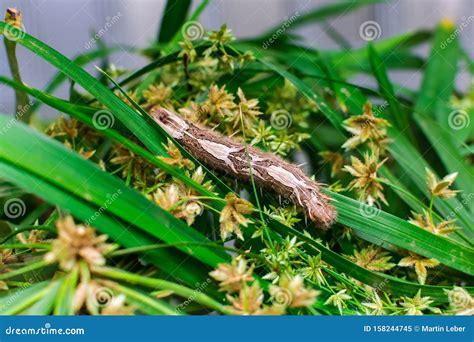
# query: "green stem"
{"type": "Point", "coordinates": [179, 290]}
{"type": "Point", "coordinates": [252, 181]}
{"type": "Point", "coordinates": [26, 245]}
{"type": "Point", "coordinates": [26, 229]}
{"type": "Point", "coordinates": [23, 112]}
{"type": "Point", "coordinates": [146, 248]}
{"type": "Point", "coordinates": [156, 305]}
{"type": "Point", "coordinates": [430, 210]}
{"type": "Point", "coordinates": [34, 215]}
{"type": "Point", "coordinates": [25, 269]}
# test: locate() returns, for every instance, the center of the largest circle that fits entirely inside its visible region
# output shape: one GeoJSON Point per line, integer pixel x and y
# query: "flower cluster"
{"type": "Point", "coordinates": [366, 182]}
{"type": "Point", "coordinates": [367, 128]}
{"type": "Point", "coordinates": [74, 135]}
{"type": "Point", "coordinates": [76, 243]}
{"type": "Point", "coordinates": [370, 132]}
{"type": "Point", "coordinates": [246, 296]}
{"type": "Point", "coordinates": [437, 189]}
{"type": "Point", "coordinates": [232, 216]}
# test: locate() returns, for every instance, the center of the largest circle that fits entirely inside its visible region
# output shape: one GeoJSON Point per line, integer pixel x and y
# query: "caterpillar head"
{"type": "Point", "coordinates": [170, 122]}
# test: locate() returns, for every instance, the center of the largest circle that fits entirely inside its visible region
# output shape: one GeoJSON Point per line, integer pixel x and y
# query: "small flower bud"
{"type": "Point", "coordinates": [13, 17]}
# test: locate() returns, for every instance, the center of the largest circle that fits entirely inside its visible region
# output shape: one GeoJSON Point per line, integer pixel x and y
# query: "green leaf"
{"type": "Point", "coordinates": [432, 110]}
{"type": "Point", "coordinates": [173, 18]}
{"type": "Point", "coordinates": [401, 233]}
{"type": "Point", "coordinates": [440, 73]}
{"type": "Point", "coordinates": [123, 233]}
{"type": "Point", "coordinates": [358, 59]}
{"type": "Point", "coordinates": [19, 299]}
{"type": "Point", "coordinates": [64, 303]}
{"type": "Point", "coordinates": [321, 13]}
{"type": "Point", "coordinates": [81, 59]}
{"type": "Point", "coordinates": [173, 45]}
{"type": "Point", "coordinates": [398, 117]}
{"type": "Point", "coordinates": [88, 182]}
{"type": "Point", "coordinates": [23, 270]}
{"type": "Point", "coordinates": [149, 135]}
{"type": "Point", "coordinates": [44, 306]}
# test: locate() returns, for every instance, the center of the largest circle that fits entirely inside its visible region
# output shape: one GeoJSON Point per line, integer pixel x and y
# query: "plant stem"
{"type": "Point", "coordinates": [158, 306]}
{"type": "Point", "coordinates": [252, 181]}
{"type": "Point", "coordinates": [182, 291]}
{"type": "Point", "coordinates": [23, 112]}
{"type": "Point", "coordinates": [146, 248]}
{"type": "Point", "coordinates": [430, 210]}
{"type": "Point", "coordinates": [22, 270]}
{"type": "Point", "coordinates": [26, 229]}
{"type": "Point", "coordinates": [26, 245]}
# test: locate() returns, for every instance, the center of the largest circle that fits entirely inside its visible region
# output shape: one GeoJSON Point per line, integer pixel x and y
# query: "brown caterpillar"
{"type": "Point", "coordinates": [268, 171]}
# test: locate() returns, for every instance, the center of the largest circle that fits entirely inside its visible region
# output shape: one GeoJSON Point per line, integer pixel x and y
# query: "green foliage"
{"type": "Point", "coordinates": [152, 225]}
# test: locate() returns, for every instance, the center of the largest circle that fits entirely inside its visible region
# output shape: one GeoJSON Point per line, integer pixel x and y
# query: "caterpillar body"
{"type": "Point", "coordinates": [268, 171]}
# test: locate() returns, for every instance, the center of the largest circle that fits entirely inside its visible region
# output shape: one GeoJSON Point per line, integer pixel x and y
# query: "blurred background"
{"type": "Point", "coordinates": [68, 25]}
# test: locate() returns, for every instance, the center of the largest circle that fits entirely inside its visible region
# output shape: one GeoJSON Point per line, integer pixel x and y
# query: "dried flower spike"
{"type": "Point", "coordinates": [13, 17]}
{"type": "Point", "coordinates": [232, 216]}
{"type": "Point", "coordinates": [366, 127]}
{"type": "Point", "coordinates": [372, 258]}
{"type": "Point", "coordinates": [335, 159]}
{"type": "Point", "coordinates": [291, 292]}
{"type": "Point", "coordinates": [425, 221]}
{"type": "Point", "coordinates": [418, 304]}
{"type": "Point", "coordinates": [250, 302]}
{"type": "Point", "coordinates": [176, 158]}
{"type": "Point", "coordinates": [440, 188]}
{"type": "Point", "coordinates": [420, 264]}
{"type": "Point", "coordinates": [366, 183]}
{"type": "Point", "coordinates": [76, 243]}
{"type": "Point", "coordinates": [232, 277]}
